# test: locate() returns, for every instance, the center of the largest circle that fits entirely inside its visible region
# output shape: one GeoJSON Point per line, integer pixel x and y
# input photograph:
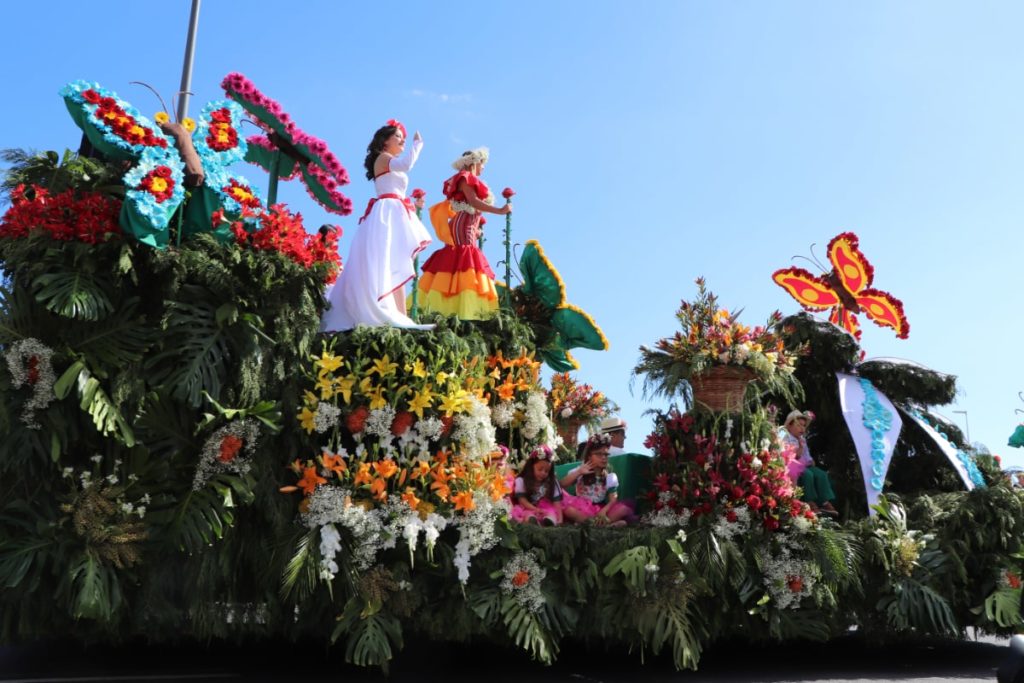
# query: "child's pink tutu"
{"type": "Point", "coordinates": [547, 511]}
{"type": "Point", "coordinates": [589, 508]}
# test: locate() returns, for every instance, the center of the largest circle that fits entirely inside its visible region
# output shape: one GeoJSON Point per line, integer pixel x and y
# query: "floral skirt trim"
{"type": "Point", "coordinates": [466, 306]}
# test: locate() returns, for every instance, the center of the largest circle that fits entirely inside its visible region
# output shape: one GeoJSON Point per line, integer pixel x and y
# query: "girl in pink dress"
{"type": "Point", "coordinates": [597, 496]}
{"type": "Point", "coordinates": [370, 289]}
{"type": "Point", "coordinates": [536, 494]}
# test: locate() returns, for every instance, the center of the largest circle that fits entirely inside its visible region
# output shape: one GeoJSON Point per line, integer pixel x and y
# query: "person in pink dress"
{"type": "Point", "coordinates": [596, 496]}
{"type": "Point", "coordinates": [371, 288]}
{"type": "Point", "coordinates": [536, 495]}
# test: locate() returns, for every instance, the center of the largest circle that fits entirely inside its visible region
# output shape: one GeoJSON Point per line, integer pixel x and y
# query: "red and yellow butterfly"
{"type": "Point", "coordinates": [846, 290]}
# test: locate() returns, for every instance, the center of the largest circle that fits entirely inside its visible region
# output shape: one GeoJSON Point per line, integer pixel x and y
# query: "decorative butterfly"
{"type": "Point", "coordinates": [561, 326]}
{"type": "Point", "coordinates": [156, 181]}
{"type": "Point", "coordinates": [846, 290]}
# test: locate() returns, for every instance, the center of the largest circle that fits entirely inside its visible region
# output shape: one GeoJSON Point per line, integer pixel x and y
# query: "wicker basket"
{"type": "Point", "coordinates": [722, 388]}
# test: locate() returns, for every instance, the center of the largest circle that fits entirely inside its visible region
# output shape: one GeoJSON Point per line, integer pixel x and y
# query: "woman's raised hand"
{"type": "Point", "coordinates": [417, 137]}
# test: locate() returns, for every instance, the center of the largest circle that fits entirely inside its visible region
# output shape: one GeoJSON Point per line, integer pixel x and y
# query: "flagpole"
{"type": "Point", "coordinates": [186, 68]}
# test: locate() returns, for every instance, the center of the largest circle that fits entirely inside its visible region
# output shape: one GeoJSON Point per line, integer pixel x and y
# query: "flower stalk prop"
{"type": "Point", "coordinates": [508, 193]}
{"type": "Point", "coordinates": [419, 201]}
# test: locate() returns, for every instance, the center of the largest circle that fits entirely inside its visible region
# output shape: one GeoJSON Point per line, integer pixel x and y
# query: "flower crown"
{"type": "Point", "coordinates": [480, 155]}
{"type": "Point", "coordinates": [599, 439]}
{"type": "Point", "coordinates": [542, 452]}
{"type": "Point", "coordinates": [397, 124]}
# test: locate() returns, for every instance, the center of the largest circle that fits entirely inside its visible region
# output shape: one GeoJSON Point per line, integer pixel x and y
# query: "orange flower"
{"type": "Point", "coordinates": [442, 491]}
{"type": "Point", "coordinates": [499, 486]}
{"type": "Point", "coordinates": [310, 480]}
{"type": "Point", "coordinates": [334, 463]}
{"type": "Point", "coordinates": [521, 578]}
{"type": "Point", "coordinates": [464, 501]}
{"type": "Point", "coordinates": [442, 456]}
{"type": "Point", "coordinates": [385, 468]}
{"type": "Point", "coordinates": [410, 498]}
{"type": "Point", "coordinates": [363, 475]}
{"type": "Point", "coordinates": [379, 488]}
{"type": "Point", "coordinates": [507, 390]}
{"type": "Point", "coordinates": [421, 470]}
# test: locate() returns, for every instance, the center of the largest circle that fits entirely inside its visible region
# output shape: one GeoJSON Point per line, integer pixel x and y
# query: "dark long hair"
{"type": "Point", "coordinates": [531, 484]}
{"type": "Point", "coordinates": [376, 146]}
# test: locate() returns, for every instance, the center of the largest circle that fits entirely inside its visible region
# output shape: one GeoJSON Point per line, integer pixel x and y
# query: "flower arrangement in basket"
{"type": "Point", "coordinates": [574, 405]}
{"type": "Point", "coordinates": [715, 356]}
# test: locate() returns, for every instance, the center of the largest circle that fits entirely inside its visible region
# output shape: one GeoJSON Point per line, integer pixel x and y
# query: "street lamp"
{"type": "Point", "coordinates": [967, 424]}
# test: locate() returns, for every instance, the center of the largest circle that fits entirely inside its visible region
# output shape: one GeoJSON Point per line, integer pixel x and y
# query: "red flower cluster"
{"type": "Point", "coordinates": [123, 124]}
{"type": "Point", "coordinates": [158, 183]}
{"type": "Point", "coordinates": [90, 218]}
{"type": "Point", "coordinates": [33, 370]}
{"type": "Point", "coordinates": [508, 193]}
{"type": "Point", "coordinates": [705, 477]}
{"type": "Point", "coordinates": [223, 135]}
{"type": "Point", "coordinates": [229, 447]}
{"type": "Point", "coordinates": [283, 232]}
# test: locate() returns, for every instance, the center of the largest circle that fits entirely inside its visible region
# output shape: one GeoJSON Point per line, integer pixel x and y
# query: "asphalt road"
{"type": "Point", "coordinates": [848, 660]}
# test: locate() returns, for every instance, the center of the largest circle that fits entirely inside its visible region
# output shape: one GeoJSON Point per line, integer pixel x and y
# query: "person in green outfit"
{"type": "Point", "coordinates": [815, 482]}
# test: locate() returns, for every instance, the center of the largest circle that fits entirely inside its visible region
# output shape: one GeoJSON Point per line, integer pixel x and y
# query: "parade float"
{"type": "Point", "coordinates": [185, 456]}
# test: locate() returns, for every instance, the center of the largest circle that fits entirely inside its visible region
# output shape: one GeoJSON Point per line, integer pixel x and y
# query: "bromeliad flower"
{"type": "Point", "coordinates": [286, 150]}
{"type": "Point", "coordinates": [558, 326]}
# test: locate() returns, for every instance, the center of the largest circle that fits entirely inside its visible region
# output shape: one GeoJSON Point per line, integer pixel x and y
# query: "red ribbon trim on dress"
{"type": "Point", "coordinates": [406, 202]}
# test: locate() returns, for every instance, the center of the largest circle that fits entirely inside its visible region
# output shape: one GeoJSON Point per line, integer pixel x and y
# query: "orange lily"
{"type": "Point", "coordinates": [385, 468]}
{"type": "Point", "coordinates": [310, 480]}
{"type": "Point", "coordinates": [464, 501]}
{"type": "Point", "coordinates": [335, 463]}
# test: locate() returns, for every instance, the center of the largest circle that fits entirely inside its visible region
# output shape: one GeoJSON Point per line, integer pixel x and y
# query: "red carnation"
{"type": "Point", "coordinates": [400, 425]}
{"type": "Point", "coordinates": [356, 420]}
{"type": "Point", "coordinates": [508, 193]}
{"type": "Point", "coordinates": [91, 96]}
{"type": "Point", "coordinates": [731, 516]}
{"type": "Point", "coordinates": [795, 583]}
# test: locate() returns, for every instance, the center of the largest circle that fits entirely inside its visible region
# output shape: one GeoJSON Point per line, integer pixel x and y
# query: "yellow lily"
{"type": "Point", "coordinates": [308, 419]}
{"type": "Point", "coordinates": [376, 396]}
{"type": "Point", "coordinates": [343, 386]}
{"type": "Point", "coordinates": [383, 366]}
{"type": "Point", "coordinates": [326, 386]}
{"type": "Point", "coordinates": [420, 401]}
{"type": "Point", "coordinates": [328, 362]}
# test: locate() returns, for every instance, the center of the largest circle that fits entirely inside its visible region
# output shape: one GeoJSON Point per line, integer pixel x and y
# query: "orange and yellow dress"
{"type": "Point", "coordinates": [457, 279]}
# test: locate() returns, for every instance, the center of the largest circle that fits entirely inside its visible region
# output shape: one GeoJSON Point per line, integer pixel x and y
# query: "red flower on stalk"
{"type": "Point", "coordinates": [418, 193]}
{"type": "Point", "coordinates": [508, 193]}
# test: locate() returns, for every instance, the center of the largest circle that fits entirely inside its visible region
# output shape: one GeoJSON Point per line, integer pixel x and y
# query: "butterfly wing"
{"type": "Point", "coordinates": [884, 310]}
{"type": "Point", "coordinates": [577, 329]}
{"type": "Point", "coordinates": [851, 268]}
{"type": "Point", "coordinates": [540, 277]}
{"type": "Point", "coordinates": [813, 293]}
{"type": "Point", "coordinates": [844, 318]}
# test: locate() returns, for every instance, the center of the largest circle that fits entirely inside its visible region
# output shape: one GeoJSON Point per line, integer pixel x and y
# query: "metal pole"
{"type": "Point", "coordinates": [186, 67]}
{"type": "Point", "coordinates": [508, 258]}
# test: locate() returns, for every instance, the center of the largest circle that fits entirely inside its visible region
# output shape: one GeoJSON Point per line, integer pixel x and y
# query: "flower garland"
{"type": "Point", "coordinates": [522, 578]}
{"type": "Point", "coordinates": [30, 363]}
{"type": "Point", "coordinates": [322, 173]}
{"type": "Point", "coordinates": [229, 449]}
{"type": "Point", "coordinates": [877, 419]}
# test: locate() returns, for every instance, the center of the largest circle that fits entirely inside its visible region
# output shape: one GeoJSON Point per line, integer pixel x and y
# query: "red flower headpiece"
{"type": "Point", "coordinates": [397, 124]}
{"type": "Point", "coordinates": [542, 452]}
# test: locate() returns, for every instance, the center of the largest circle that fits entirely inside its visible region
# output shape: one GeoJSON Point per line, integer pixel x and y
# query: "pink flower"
{"type": "Point", "coordinates": [508, 193]}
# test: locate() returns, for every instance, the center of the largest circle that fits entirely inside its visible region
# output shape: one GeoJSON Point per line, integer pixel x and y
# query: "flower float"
{"type": "Point", "coordinates": [286, 151]}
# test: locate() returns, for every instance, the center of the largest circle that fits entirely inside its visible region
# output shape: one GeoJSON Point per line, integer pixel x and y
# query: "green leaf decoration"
{"type": "Point", "coordinates": [73, 294]}
{"type": "Point", "coordinates": [577, 329]}
{"type": "Point", "coordinates": [120, 339]}
{"type": "Point", "coordinates": [265, 158]}
{"type": "Point", "coordinates": [539, 277]}
{"type": "Point", "coordinates": [302, 573]}
{"type": "Point", "coordinates": [1003, 607]}
{"type": "Point", "coordinates": [201, 517]}
{"type": "Point", "coordinates": [97, 591]}
{"type": "Point", "coordinates": [527, 632]}
{"type": "Point", "coordinates": [105, 415]}
{"type": "Point", "coordinates": [196, 352]}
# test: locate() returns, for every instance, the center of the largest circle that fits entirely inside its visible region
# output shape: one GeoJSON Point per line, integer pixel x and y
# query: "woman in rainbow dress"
{"type": "Point", "coordinates": [457, 280]}
{"type": "Point", "coordinates": [370, 289]}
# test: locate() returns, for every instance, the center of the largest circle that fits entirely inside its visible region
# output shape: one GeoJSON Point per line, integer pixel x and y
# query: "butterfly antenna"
{"type": "Point", "coordinates": [154, 91]}
{"type": "Point", "coordinates": [816, 260]}
{"type": "Point", "coordinates": [804, 258]}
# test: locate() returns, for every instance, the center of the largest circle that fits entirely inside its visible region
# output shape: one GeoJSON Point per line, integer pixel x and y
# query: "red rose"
{"type": "Point", "coordinates": [771, 524]}
{"type": "Point", "coordinates": [508, 193]}
{"type": "Point", "coordinates": [731, 516]}
{"type": "Point", "coordinates": [91, 96]}
{"type": "Point", "coordinates": [753, 502]}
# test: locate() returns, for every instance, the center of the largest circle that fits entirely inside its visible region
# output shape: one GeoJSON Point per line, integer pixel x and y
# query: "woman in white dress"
{"type": "Point", "coordinates": [371, 288]}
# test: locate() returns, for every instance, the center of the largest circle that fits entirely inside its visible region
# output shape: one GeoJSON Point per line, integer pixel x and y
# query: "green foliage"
{"type": "Point", "coordinates": [58, 173]}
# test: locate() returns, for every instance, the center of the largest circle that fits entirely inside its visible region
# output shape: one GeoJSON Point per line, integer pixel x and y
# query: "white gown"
{"type": "Point", "coordinates": [380, 258]}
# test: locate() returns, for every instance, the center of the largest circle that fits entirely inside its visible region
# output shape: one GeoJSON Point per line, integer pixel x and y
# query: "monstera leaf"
{"type": "Point", "coordinates": [558, 326]}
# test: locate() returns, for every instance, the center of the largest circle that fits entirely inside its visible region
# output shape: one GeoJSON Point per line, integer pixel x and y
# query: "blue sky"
{"type": "Point", "coordinates": [649, 143]}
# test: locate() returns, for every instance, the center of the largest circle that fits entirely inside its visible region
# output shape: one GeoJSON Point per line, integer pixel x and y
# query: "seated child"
{"type": "Point", "coordinates": [597, 486]}
{"type": "Point", "coordinates": [536, 495]}
{"type": "Point", "coordinates": [814, 481]}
